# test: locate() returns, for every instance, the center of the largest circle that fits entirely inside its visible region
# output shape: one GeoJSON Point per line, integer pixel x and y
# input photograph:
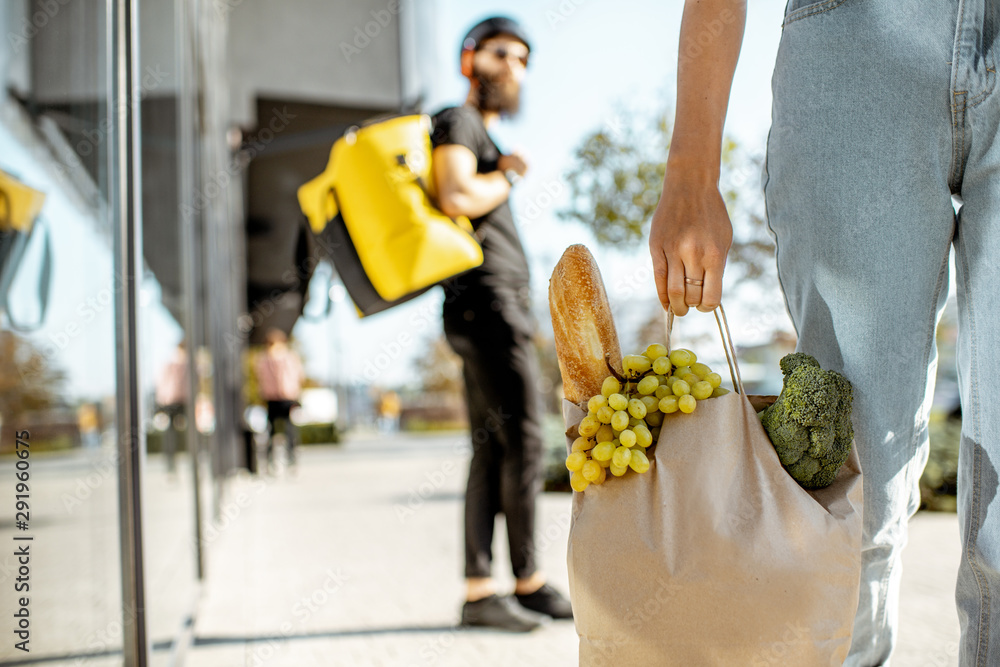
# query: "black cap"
{"type": "Point", "coordinates": [491, 27]}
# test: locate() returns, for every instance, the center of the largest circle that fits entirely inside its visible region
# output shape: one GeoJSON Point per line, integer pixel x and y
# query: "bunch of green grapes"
{"type": "Point", "coordinates": [625, 418]}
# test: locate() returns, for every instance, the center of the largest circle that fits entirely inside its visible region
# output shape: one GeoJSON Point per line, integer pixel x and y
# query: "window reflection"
{"type": "Point", "coordinates": [57, 286]}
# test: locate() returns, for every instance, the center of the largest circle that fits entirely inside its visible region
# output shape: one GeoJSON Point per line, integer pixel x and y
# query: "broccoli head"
{"type": "Point", "coordinates": [810, 423]}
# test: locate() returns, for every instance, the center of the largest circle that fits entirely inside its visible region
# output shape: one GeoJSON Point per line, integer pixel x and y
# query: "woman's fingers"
{"type": "Point", "coordinates": [677, 289]}
{"type": "Point", "coordinates": [711, 291]}
{"type": "Point", "coordinates": [689, 238]}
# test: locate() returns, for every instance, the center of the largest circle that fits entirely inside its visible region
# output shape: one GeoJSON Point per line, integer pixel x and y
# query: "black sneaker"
{"type": "Point", "coordinates": [547, 600]}
{"type": "Point", "coordinates": [501, 613]}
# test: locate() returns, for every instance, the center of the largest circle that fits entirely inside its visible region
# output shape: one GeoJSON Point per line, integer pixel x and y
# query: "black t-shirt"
{"type": "Point", "coordinates": [501, 283]}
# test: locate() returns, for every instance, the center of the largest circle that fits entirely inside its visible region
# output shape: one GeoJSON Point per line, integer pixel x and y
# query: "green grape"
{"type": "Point", "coordinates": [668, 404]}
{"type": "Point", "coordinates": [661, 365]}
{"type": "Point", "coordinates": [605, 413]}
{"type": "Point", "coordinates": [602, 473]}
{"type": "Point", "coordinates": [663, 390]}
{"type": "Point", "coordinates": [655, 432]}
{"type": "Point", "coordinates": [597, 402]}
{"type": "Point", "coordinates": [591, 471]}
{"type": "Point", "coordinates": [578, 482]}
{"type": "Point", "coordinates": [713, 379]}
{"type": "Point", "coordinates": [611, 386]}
{"type": "Point", "coordinates": [617, 402]}
{"type": "Point", "coordinates": [643, 438]}
{"type": "Point", "coordinates": [638, 461]}
{"type": "Point", "coordinates": [605, 464]}
{"type": "Point", "coordinates": [637, 408]}
{"type": "Point", "coordinates": [682, 357]}
{"type": "Point", "coordinates": [687, 403]}
{"type": "Point", "coordinates": [603, 451]}
{"type": "Point", "coordinates": [648, 384]}
{"type": "Point", "coordinates": [656, 351]}
{"type": "Point", "coordinates": [621, 456]}
{"type": "Point", "coordinates": [576, 460]}
{"type": "Point", "coordinates": [636, 364]}
{"type": "Point", "coordinates": [651, 403]}
{"type": "Point", "coordinates": [654, 418]}
{"type": "Point", "coordinates": [700, 369]}
{"type": "Point", "coordinates": [681, 371]}
{"type": "Point", "coordinates": [628, 437]}
{"type": "Point", "coordinates": [680, 388]}
{"type": "Point", "coordinates": [582, 444]}
{"type": "Point", "coordinates": [589, 425]}
{"type": "Point", "coordinates": [617, 471]}
{"type": "Point", "coordinates": [719, 391]}
{"type": "Point", "coordinates": [634, 421]}
{"type": "Point", "coordinates": [690, 378]}
{"type": "Point", "coordinates": [605, 433]}
{"type": "Point", "coordinates": [671, 380]}
{"type": "Point", "coordinates": [619, 421]}
{"type": "Point", "coordinates": [701, 390]}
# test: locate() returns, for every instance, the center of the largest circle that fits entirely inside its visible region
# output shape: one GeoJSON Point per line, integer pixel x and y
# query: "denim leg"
{"type": "Point", "coordinates": [858, 197]}
{"type": "Point", "coordinates": [977, 254]}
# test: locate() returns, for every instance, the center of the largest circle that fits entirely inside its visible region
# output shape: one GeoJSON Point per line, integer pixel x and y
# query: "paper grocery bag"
{"type": "Point", "coordinates": [715, 556]}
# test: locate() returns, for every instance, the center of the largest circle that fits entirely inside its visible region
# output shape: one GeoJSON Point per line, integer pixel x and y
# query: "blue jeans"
{"type": "Point", "coordinates": [883, 110]}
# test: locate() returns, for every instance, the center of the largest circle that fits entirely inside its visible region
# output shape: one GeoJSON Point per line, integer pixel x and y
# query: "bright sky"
{"type": "Point", "coordinates": [590, 60]}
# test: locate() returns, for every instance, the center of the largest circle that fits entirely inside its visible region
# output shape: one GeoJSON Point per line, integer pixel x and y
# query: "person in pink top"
{"type": "Point", "coordinates": [279, 380]}
{"type": "Point", "coordinates": [171, 397]}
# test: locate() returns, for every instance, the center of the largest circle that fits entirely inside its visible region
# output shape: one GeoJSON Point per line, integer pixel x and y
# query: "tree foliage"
{"type": "Point", "coordinates": [28, 381]}
{"type": "Point", "coordinates": [439, 369]}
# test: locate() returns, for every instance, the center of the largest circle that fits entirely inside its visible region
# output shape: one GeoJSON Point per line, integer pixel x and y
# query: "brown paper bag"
{"type": "Point", "coordinates": [715, 556]}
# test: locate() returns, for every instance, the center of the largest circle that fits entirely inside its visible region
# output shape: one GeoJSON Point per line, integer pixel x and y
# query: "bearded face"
{"type": "Point", "coordinates": [497, 91]}
{"type": "Point", "coordinates": [498, 67]}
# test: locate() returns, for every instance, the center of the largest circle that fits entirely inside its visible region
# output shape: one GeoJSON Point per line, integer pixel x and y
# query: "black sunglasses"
{"type": "Point", "coordinates": [502, 52]}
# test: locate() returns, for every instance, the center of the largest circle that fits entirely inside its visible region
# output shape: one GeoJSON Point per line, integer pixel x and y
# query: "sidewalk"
{"type": "Point", "coordinates": [356, 560]}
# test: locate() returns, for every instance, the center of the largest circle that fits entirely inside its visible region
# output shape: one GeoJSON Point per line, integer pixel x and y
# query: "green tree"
{"type": "Point", "coordinates": [617, 177]}
{"type": "Point", "coordinates": [440, 369]}
{"type": "Point", "coordinates": [28, 381]}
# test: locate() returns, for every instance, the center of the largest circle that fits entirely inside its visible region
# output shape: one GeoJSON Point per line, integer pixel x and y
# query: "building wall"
{"type": "Point", "coordinates": [339, 53]}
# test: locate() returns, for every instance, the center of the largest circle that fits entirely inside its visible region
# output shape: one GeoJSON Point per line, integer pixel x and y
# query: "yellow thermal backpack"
{"type": "Point", "coordinates": [374, 207]}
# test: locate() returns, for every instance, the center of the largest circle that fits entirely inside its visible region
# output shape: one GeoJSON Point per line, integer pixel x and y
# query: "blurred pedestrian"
{"type": "Point", "coordinates": [89, 423]}
{"type": "Point", "coordinates": [279, 380]}
{"type": "Point", "coordinates": [389, 408]}
{"type": "Point", "coordinates": [488, 322]}
{"type": "Point", "coordinates": [171, 399]}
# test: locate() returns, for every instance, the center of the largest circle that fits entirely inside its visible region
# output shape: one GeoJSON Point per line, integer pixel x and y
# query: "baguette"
{"type": "Point", "coordinates": [584, 329]}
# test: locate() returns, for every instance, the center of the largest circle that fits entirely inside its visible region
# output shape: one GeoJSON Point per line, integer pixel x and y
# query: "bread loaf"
{"type": "Point", "coordinates": [584, 329]}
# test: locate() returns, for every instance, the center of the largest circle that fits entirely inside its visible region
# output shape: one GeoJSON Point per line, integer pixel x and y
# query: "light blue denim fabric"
{"type": "Point", "coordinates": [882, 110]}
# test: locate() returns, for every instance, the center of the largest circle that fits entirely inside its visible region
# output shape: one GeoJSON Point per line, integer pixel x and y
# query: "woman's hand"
{"type": "Point", "coordinates": [689, 239]}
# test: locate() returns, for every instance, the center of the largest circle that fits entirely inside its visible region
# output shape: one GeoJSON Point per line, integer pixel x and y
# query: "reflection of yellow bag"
{"type": "Point", "coordinates": [374, 207]}
{"type": "Point", "coordinates": [19, 204]}
{"type": "Point", "coordinates": [19, 209]}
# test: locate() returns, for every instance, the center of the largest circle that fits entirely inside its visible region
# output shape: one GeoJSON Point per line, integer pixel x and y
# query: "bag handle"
{"type": "Point", "coordinates": [43, 285]}
{"type": "Point", "coordinates": [727, 344]}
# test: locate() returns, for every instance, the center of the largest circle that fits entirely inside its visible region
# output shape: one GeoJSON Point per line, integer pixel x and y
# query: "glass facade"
{"type": "Point", "coordinates": [114, 557]}
{"type": "Point", "coordinates": [57, 345]}
{"type": "Point", "coordinates": [149, 235]}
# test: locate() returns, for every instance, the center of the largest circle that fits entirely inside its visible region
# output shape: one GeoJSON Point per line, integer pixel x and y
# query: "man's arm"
{"type": "Point", "coordinates": [462, 191]}
{"type": "Point", "coordinates": [691, 231]}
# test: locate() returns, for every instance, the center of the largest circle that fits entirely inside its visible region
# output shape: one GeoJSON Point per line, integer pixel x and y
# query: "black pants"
{"type": "Point", "coordinates": [281, 410]}
{"type": "Point", "coordinates": [501, 385]}
{"type": "Point", "coordinates": [172, 411]}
